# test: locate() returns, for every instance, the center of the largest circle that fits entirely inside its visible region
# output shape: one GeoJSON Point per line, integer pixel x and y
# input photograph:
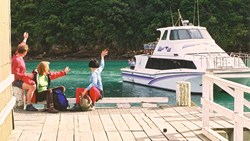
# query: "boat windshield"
{"type": "Point", "coordinates": [182, 34]}
{"type": "Point", "coordinates": [205, 34]}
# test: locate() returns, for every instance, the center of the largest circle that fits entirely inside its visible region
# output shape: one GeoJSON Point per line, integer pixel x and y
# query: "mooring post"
{"type": "Point", "coordinates": [183, 93]}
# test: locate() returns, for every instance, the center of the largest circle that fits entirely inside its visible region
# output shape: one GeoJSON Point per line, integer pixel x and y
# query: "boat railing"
{"type": "Point", "coordinates": [244, 56]}
{"type": "Point", "coordinates": [227, 62]}
{"type": "Point", "coordinates": [209, 107]}
{"type": "Point", "coordinates": [216, 61]}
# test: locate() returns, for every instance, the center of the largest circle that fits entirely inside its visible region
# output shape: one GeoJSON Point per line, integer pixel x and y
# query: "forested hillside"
{"type": "Point", "coordinates": [78, 28]}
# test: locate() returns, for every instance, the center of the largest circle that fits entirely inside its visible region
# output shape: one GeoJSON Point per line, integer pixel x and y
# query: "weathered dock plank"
{"type": "Point", "coordinates": [127, 136]}
{"type": "Point", "coordinates": [119, 122]}
{"type": "Point", "coordinates": [108, 123]}
{"type": "Point", "coordinates": [223, 123]}
{"type": "Point", "coordinates": [130, 124]}
{"type": "Point", "coordinates": [15, 135]}
{"type": "Point", "coordinates": [83, 123]}
{"type": "Point", "coordinates": [96, 124]}
{"type": "Point", "coordinates": [152, 131]}
{"type": "Point", "coordinates": [66, 128]}
{"type": "Point", "coordinates": [29, 136]}
{"type": "Point", "coordinates": [134, 100]}
{"type": "Point", "coordinates": [216, 121]}
{"type": "Point", "coordinates": [141, 136]}
{"type": "Point", "coordinates": [169, 115]}
{"type": "Point", "coordinates": [188, 125]}
{"type": "Point", "coordinates": [114, 136]}
{"type": "Point", "coordinates": [84, 136]}
{"type": "Point", "coordinates": [50, 128]}
{"type": "Point", "coordinates": [100, 136]}
{"type": "Point", "coordinates": [120, 100]}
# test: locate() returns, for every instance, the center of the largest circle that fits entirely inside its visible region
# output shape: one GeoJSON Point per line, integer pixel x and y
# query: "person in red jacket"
{"type": "Point", "coordinates": [42, 78]}
{"type": "Point", "coordinates": [18, 68]}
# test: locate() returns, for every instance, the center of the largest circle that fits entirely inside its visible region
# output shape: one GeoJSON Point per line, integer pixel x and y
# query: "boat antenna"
{"type": "Point", "coordinates": [196, 4]}
{"type": "Point", "coordinates": [171, 16]}
{"type": "Point", "coordinates": [194, 12]}
{"type": "Point", "coordinates": [198, 13]}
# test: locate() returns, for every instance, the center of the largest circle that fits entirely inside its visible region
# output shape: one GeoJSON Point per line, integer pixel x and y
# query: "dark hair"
{"type": "Point", "coordinates": [93, 63]}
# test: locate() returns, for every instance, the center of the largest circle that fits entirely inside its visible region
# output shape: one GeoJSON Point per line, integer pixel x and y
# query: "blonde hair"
{"type": "Point", "coordinates": [43, 67]}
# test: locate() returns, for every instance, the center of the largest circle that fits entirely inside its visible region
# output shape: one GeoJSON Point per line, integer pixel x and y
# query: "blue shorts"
{"type": "Point", "coordinates": [18, 83]}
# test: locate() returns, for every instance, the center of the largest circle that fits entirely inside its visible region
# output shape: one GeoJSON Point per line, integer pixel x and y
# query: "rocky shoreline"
{"type": "Point", "coordinates": [81, 56]}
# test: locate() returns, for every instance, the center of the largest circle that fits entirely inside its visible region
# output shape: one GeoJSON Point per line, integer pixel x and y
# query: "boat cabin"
{"type": "Point", "coordinates": [186, 47]}
{"type": "Point", "coordinates": [183, 40]}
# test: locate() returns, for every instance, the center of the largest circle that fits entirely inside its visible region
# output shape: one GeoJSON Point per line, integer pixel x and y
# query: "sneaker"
{"type": "Point", "coordinates": [85, 109]}
{"type": "Point", "coordinates": [76, 107]}
{"type": "Point", "coordinates": [52, 110]}
{"type": "Point", "coordinates": [30, 107]}
{"type": "Point", "coordinates": [89, 109]}
{"type": "Point", "coordinates": [92, 106]}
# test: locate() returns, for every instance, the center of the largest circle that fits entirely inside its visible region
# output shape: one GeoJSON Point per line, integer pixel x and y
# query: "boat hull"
{"type": "Point", "coordinates": [168, 81]}
{"type": "Point", "coordinates": [165, 81]}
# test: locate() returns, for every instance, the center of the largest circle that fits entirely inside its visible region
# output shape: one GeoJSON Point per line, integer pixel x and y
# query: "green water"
{"type": "Point", "coordinates": [111, 78]}
{"type": "Point", "coordinates": [226, 100]}
{"type": "Point", "coordinates": [112, 82]}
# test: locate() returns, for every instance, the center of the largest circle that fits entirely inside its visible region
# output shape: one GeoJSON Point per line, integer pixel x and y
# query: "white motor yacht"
{"type": "Point", "coordinates": [183, 53]}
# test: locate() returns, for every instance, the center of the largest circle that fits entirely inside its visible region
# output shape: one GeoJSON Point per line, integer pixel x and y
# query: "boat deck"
{"type": "Point", "coordinates": [114, 124]}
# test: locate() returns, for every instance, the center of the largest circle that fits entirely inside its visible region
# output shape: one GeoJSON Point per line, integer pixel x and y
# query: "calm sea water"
{"type": "Point", "coordinates": [112, 82]}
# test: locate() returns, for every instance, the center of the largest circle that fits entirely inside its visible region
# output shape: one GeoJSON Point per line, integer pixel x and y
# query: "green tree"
{"type": "Point", "coordinates": [123, 25]}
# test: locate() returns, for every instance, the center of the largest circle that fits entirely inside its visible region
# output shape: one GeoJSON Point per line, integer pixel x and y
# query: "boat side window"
{"type": "Point", "coordinates": [164, 37]}
{"type": "Point", "coordinates": [165, 64]}
{"type": "Point", "coordinates": [174, 35]}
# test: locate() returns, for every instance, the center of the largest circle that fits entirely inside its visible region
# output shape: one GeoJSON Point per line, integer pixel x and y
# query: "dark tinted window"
{"type": "Point", "coordinates": [174, 35]}
{"type": "Point", "coordinates": [165, 64]}
{"type": "Point", "coordinates": [164, 37]}
{"type": "Point", "coordinates": [182, 34]}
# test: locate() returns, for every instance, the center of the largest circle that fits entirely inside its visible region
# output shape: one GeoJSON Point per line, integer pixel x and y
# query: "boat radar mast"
{"type": "Point", "coordinates": [180, 20]}
{"type": "Point", "coordinates": [186, 22]}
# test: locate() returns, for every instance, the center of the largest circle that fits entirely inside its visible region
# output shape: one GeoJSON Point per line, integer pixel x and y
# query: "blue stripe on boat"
{"type": "Point", "coordinates": [173, 76]}
{"type": "Point", "coordinates": [154, 80]}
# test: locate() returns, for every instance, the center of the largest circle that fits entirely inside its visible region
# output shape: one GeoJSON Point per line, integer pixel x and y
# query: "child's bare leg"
{"type": "Point", "coordinates": [30, 90]}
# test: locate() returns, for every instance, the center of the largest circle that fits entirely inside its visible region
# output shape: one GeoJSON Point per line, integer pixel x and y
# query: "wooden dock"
{"type": "Point", "coordinates": [115, 124]}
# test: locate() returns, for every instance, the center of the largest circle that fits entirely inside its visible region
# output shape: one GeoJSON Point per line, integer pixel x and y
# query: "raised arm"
{"type": "Point", "coordinates": [103, 54]}
{"type": "Point", "coordinates": [25, 38]}
{"type": "Point", "coordinates": [55, 75]}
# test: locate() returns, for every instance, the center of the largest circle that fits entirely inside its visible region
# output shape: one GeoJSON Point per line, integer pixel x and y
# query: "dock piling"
{"type": "Point", "coordinates": [183, 93]}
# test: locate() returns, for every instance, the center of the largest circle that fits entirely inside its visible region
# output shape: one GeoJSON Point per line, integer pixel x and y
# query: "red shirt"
{"type": "Point", "coordinates": [18, 67]}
